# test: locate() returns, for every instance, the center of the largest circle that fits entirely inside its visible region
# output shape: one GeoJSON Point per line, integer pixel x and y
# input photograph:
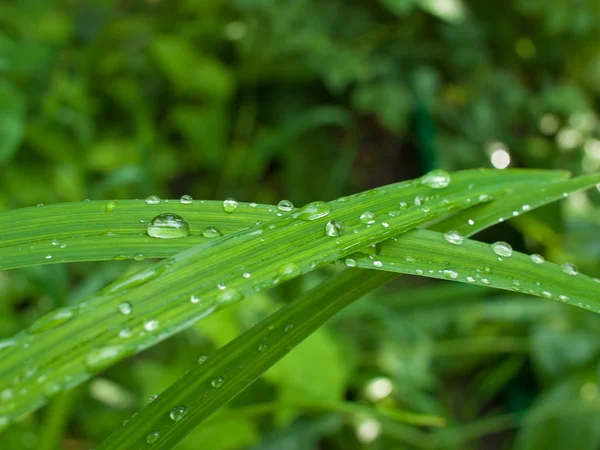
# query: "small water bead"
{"type": "Point", "coordinates": [217, 382]}
{"type": "Point", "coordinates": [168, 226]}
{"type": "Point", "coordinates": [230, 205]}
{"type": "Point", "coordinates": [563, 298]}
{"type": "Point", "coordinates": [152, 398]}
{"type": "Point", "coordinates": [526, 207]}
{"type": "Point", "coordinates": [450, 274]}
{"type": "Point", "coordinates": [367, 217]}
{"type": "Point", "coordinates": [230, 295]}
{"type": "Point", "coordinates": [178, 413]}
{"type": "Point", "coordinates": [185, 199]}
{"type": "Point", "coordinates": [418, 271]}
{"type": "Point", "coordinates": [454, 237]}
{"type": "Point", "coordinates": [125, 308]}
{"type": "Point", "coordinates": [419, 200]}
{"type": "Point", "coordinates": [436, 179]}
{"type": "Point", "coordinates": [312, 211]}
{"type": "Point", "coordinates": [285, 205]}
{"type": "Point", "coordinates": [350, 262]}
{"type": "Point", "coordinates": [538, 259]}
{"type": "Point", "coordinates": [194, 299]}
{"type": "Point", "coordinates": [153, 200]}
{"type": "Point", "coordinates": [139, 257]}
{"type": "Point", "coordinates": [211, 232]}
{"type": "Point", "coordinates": [202, 359]}
{"type": "Point", "coordinates": [152, 437]}
{"type": "Point", "coordinates": [221, 286]}
{"type": "Point", "coordinates": [100, 358]}
{"type": "Point", "coordinates": [246, 275]}
{"type": "Point", "coordinates": [470, 279]}
{"type": "Point", "coordinates": [385, 224]}
{"type": "Point", "coordinates": [569, 269]}
{"type": "Point", "coordinates": [289, 327]}
{"type": "Point", "coordinates": [288, 271]}
{"type": "Point", "coordinates": [334, 228]}
{"type": "Point", "coordinates": [546, 294]}
{"type": "Point", "coordinates": [125, 333]}
{"type": "Point", "coordinates": [53, 320]}
{"type": "Point", "coordinates": [485, 281]}
{"type": "Point", "coordinates": [377, 263]}
{"type": "Point", "coordinates": [110, 206]}
{"type": "Point", "coordinates": [502, 249]}
{"type": "Point", "coordinates": [151, 325]}
{"type": "Point", "coordinates": [403, 205]}
{"type": "Point", "coordinates": [48, 256]}
{"type": "Point", "coordinates": [262, 347]}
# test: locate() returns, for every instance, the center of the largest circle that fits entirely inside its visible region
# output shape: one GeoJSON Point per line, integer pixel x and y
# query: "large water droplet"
{"type": "Point", "coordinates": [312, 211]}
{"type": "Point", "coordinates": [186, 199]}
{"type": "Point", "coordinates": [454, 237]}
{"type": "Point", "coordinates": [152, 437]}
{"type": "Point", "coordinates": [178, 413]}
{"type": "Point", "coordinates": [168, 226]}
{"type": "Point", "coordinates": [285, 205]}
{"type": "Point", "coordinates": [288, 271]}
{"type": "Point", "coordinates": [211, 232]}
{"type": "Point", "coordinates": [436, 179]}
{"type": "Point", "coordinates": [502, 249]}
{"type": "Point", "coordinates": [153, 200]}
{"type": "Point", "coordinates": [53, 320]}
{"type": "Point", "coordinates": [367, 217]}
{"type": "Point", "coordinates": [538, 259]}
{"type": "Point", "coordinates": [101, 358]}
{"type": "Point", "coordinates": [230, 205]}
{"type": "Point", "coordinates": [125, 308]}
{"type": "Point", "coordinates": [334, 228]}
{"type": "Point", "coordinates": [350, 262]}
{"type": "Point", "coordinates": [217, 382]}
{"type": "Point", "coordinates": [569, 269]}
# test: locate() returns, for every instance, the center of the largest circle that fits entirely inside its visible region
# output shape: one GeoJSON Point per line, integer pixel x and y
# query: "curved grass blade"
{"type": "Point", "coordinates": [207, 387]}
{"type": "Point", "coordinates": [107, 230]}
{"type": "Point", "coordinates": [430, 254]}
{"type": "Point", "coordinates": [67, 346]}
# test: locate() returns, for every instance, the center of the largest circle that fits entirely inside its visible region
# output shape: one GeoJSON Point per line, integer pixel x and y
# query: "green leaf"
{"type": "Point", "coordinates": [12, 120]}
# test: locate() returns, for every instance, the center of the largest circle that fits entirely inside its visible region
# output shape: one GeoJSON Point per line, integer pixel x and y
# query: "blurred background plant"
{"type": "Point", "coordinates": [306, 99]}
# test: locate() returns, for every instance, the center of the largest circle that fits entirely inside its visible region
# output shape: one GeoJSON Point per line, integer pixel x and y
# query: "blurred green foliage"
{"type": "Point", "coordinates": [312, 99]}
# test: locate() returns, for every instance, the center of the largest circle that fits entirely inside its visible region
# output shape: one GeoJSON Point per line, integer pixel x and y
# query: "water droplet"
{"type": "Point", "coordinates": [152, 437]}
{"type": "Point", "coordinates": [288, 271]}
{"type": "Point", "coordinates": [546, 294]}
{"type": "Point", "coordinates": [202, 359]}
{"type": "Point", "coordinates": [538, 259]}
{"type": "Point", "coordinates": [350, 262]}
{"type": "Point", "coordinates": [125, 333]}
{"type": "Point", "coordinates": [48, 256]}
{"type": "Point", "coordinates": [262, 347]}
{"type": "Point", "coordinates": [485, 281]}
{"type": "Point", "coordinates": [403, 205]}
{"type": "Point", "coordinates": [450, 274]}
{"type": "Point", "coordinates": [151, 325]}
{"type": "Point", "coordinates": [153, 200]}
{"type": "Point", "coordinates": [569, 269]}
{"type": "Point", "coordinates": [110, 206]}
{"type": "Point", "coordinates": [194, 299]}
{"type": "Point", "coordinates": [285, 205]}
{"type": "Point", "coordinates": [502, 249]}
{"type": "Point", "coordinates": [230, 295]}
{"type": "Point", "coordinates": [186, 199]}
{"type": "Point", "coordinates": [246, 275]}
{"type": "Point", "coordinates": [419, 271]}
{"type": "Point", "coordinates": [312, 211]}
{"type": "Point", "coordinates": [470, 279]}
{"type": "Point", "coordinates": [367, 217]}
{"type": "Point", "coordinates": [563, 298]}
{"type": "Point", "coordinates": [53, 320]}
{"type": "Point", "coordinates": [211, 232]}
{"type": "Point", "coordinates": [168, 226]}
{"type": "Point", "coordinates": [289, 327]}
{"type": "Point", "coordinates": [230, 205]}
{"type": "Point", "coordinates": [152, 398]}
{"type": "Point", "coordinates": [125, 308]}
{"type": "Point", "coordinates": [419, 200]}
{"type": "Point", "coordinates": [334, 228]}
{"type": "Point", "coordinates": [178, 413]}
{"type": "Point", "coordinates": [454, 237]}
{"type": "Point", "coordinates": [101, 358]}
{"type": "Point", "coordinates": [217, 382]}
{"type": "Point", "coordinates": [471, 222]}
{"type": "Point", "coordinates": [377, 263]}
{"type": "Point", "coordinates": [436, 179]}
{"type": "Point", "coordinates": [526, 207]}
{"type": "Point", "coordinates": [139, 257]}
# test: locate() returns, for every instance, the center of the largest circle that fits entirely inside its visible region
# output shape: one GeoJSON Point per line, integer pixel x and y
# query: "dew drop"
{"type": "Point", "coordinates": [110, 206]}
{"type": "Point", "coordinates": [101, 358]}
{"type": "Point", "coordinates": [403, 205]}
{"type": "Point", "coordinates": [153, 200]}
{"type": "Point", "coordinates": [546, 294]}
{"type": "Point", "coordinates": [230, 205]}
{"type": "Point", "coordinates": [418, 271]}
{"type": "Point", "coordinates": [563, 298]}
{"type": "Point", "coordinates": [168, 226]}
{"type": "Point", "coordinates": [152, 398]}
{"type": "Point", "coordinates": [289, 327]}
{"type": "Point", "coordinates": [569, 269]}
{"type": "Point", "coordinates": [53, 320]}
{"type": "Point", "coordinates": [334, 228]}
{"type": "Point", "coordinates": [217, 382]}
{"type": "Point", "coordinates": [538, 259]}
{"type": "Point", "coordinates": [454, 237]}
{"type": "Point", "coordinates": [350, 262]}
{"type": "Point", "coordinates": [230, 295]}
{"type": "Point", "coordinates": [312, 211]}
{"type": "Point", "coordinates": [152, 437]}
{"type": "Point", "coordinates": [125, 333]}
{"type": "Point", "coordinates": [125, 308]}
{"type": "Point", "coordinates": [285, 205]}
{"type": "Point", "coordinates": [202, 359]}
{"type": "Point", "coordinates": [471, 222]}
{"type": "Point", "coordinates": [151, 325]}
{"type": "Point", "coordinates": [450, 274]}
{"type": "Point", "coordinates": [419, 200]}
{"type": "Point", "coordinates": [470, 279]}
{"type": "Point", "coordinates": [178, 413]}
{"type": "Point", "coordinates": [367, 217]}
{"type": "Point", "coordinates": [288, 271]}
{"type": "Point", "coordinates": [186, 199]}
{"type": "Point", "coordinates": [436, 179]}
{"type": "Point", "coordinates": [377, 263]}
{"type": "Point", "coordinates": [211, 232]}
{"type": "Point", "coordinates": [502, 249]}
{"type": "Point", "coordinates": [194, 299]}
{"type": "Point", "coordinates": [262, 347]}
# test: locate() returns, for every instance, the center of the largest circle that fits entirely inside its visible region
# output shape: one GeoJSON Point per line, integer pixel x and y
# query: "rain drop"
{"type": "Point", "coordinates": [153, 200]}
{"type": "Point", "coordinates": [454, 237]}
{"type": "Point", "coordinates": [230, 205]}
{"type": "Point", "coordinates": [178, 413]}
{"type": "Point", "coordinates": [151, 438]}
{"type": "Point", "coordinates": [436, 179]}
{"type": "Point", "coordinates": [334, 228]}
{"type": "Point", "coordinates": [285, 205]}
{"type": "Point", "coordinates": [168, 226]}
{"type": "Point", "coordinates": [110, 206]}
{"type": "Point", "coordinates": [502, 249]}
{"type": "Point", "coordinates": [403, 205]}
{"type": "Point", "coordinates": [186, 199]}
{"type": "Point", "coordinates": [538, 259]}
{"type": "Point", "coordinates": [450, 274]}
{"type": "Point", "coordinates": [211, 232]}
{"type": "Point", "coordinates": [350, 262]}
{"type": "Point", "coordinates": [103, 357]}
{"type": "Point", "coordinates": [377, 263]}
{"type": "Point", "coordinates": [569, 269]}
{"type": "Point", "coordinates": [288, 271]}
{"type": "Point", "coordinates": [151, 325]}
{"type": "Point", "coordinates": [52, 320]}
{"type": "Point", "coordinates": [546, 294]}
{"type": "Point", "coordinates": [367, 217]}
{"type": "Point", "coordinates": [125, 308]}
{"type": "Point", "coordinates": [217, 382]}
{"type": "Point", "coordinates": [202, 359]}
{"type": "Point", "coordinates": [262, 347]}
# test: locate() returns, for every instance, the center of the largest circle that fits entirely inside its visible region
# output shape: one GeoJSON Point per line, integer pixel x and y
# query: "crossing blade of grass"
{"type": "Point", "coordinates": [108, 230]}
{"type": "Point", "coordinates": [207, 387]}
{"type": "Point", "coordinates": [198, 383]}
{"type": "Point", "coordinates": [67, 346]}
{"type": "Point", "coordinates": [428, 253]}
